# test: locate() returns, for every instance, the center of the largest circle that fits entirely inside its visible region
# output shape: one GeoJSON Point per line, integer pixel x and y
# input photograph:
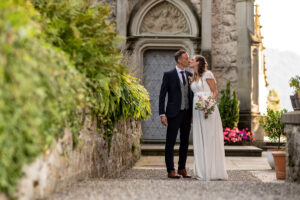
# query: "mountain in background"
{"type": "Point", "coordinates": [281, 66]}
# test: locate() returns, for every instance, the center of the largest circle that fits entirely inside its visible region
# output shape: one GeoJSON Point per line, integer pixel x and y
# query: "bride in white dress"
{"type": "Point", "coordinates": [208, 139]}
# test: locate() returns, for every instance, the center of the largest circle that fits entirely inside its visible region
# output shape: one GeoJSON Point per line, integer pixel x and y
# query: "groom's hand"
{"type": "Point", "coordinates": [164, 120]}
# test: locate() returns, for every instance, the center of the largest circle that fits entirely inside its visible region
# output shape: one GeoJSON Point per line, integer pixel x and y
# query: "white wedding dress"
{"type": "Point", "coordinates": [208, 139]}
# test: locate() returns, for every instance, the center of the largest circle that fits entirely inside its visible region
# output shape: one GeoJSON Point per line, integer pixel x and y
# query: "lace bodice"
{"type": "Point", "coordinates": [201, 87]}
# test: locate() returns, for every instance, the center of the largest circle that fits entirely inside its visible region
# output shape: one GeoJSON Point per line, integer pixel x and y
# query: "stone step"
{"type": "Point", "coordinates": [159, 150]}
{"type": "Point", "coordinates": [265, 144]}
{"type": "Point", "coordinates": [274, 143]}
{"type": "Point", "coordinates": [265, 148]}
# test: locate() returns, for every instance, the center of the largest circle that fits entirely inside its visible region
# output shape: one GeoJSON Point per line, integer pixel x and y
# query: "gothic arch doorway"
{"type": "Point", "coordinates": [156, 31]}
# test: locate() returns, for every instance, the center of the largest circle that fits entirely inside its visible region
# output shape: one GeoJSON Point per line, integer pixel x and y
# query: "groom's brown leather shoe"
{"type": "Point", "coordinates": [172, 174]}
{"type": "Point", "coordinates": [183, 173]}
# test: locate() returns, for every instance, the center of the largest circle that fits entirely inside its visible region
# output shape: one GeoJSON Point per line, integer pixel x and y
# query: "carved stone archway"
{"type": "Point", "coordinates": [165, 18]}
{"type": "Point", "coordinates": [162, 24]}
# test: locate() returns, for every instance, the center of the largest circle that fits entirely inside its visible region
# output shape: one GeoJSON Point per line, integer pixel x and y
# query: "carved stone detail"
{"type": "Point", "coordinates": [164, 18]}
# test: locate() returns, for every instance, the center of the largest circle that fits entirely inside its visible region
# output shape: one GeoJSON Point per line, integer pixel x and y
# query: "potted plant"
{"type": "Point", "coordinates": [280, 164]}
{"type": "Point", "coordinates": [295, 99]}
{"type": "Point", "coordinates": [274, 128]}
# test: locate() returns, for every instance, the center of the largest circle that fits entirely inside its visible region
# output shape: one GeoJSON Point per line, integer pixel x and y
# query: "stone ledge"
{"type": "Point", "coordinates": [291, 117]}
{"type": "Point", "coordinates": [159, 150]}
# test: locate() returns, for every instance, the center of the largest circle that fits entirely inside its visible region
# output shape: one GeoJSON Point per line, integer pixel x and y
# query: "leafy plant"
{"type": "Point", "coordinates": [81, 29]}
{"type": "Point", "coordinates": [272, 124]}
{"type": "Point", "coordinates": [295, 84]}
{"type": "Point", "coordinates": [229, 108]}
{"type": "Point", "coordinates": [55, 61]}
{"type": "Point", "coordinates": [41, 92]}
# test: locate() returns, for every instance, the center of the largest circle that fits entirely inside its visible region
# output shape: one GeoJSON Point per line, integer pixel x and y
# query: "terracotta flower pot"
{"type": "Point", "coordinates": [270, 157]}
{"type": "Point", "coordinates": [280, 164]}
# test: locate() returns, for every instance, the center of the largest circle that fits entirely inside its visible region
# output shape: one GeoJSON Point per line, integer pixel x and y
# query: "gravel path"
{"type": "Point", "coordinates": [152, 184]}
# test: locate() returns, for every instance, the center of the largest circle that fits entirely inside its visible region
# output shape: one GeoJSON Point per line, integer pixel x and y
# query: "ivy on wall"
{"type": "Point", "coordinates": [56, 58]}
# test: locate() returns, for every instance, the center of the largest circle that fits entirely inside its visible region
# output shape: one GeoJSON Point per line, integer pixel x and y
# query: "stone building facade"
{"type": "Point", "coordinates": [221, 30]}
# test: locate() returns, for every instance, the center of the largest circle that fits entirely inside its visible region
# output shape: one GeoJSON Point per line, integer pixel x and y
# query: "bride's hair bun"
{"type": "Point", "coordinates": [202, 67]}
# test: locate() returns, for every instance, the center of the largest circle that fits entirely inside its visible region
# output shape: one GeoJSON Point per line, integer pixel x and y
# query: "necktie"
{"type": "Point", "coordinates": [183, 78]}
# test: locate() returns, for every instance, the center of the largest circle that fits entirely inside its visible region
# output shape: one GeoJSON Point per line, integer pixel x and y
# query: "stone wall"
{"type": "Point", "coordinates": [61, 166]}
{"type": "Point", "coordinates": [224, 42]}
{"type": "Point", "coordinates": [113, 7]}
{"type": "Point", "coordinates": [292, 130]}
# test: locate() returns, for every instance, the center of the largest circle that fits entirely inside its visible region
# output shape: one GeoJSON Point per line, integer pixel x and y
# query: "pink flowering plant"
{"type": "Point", "coordinates": [206, 104]}
{"type": "Point", "coordinates": [237, 136]}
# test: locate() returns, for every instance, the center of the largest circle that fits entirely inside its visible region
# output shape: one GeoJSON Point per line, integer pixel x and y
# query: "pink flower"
{"type": "Point", "coordinates": [236, 135]}
{"type": "Point", "coordinates": [231, 135]}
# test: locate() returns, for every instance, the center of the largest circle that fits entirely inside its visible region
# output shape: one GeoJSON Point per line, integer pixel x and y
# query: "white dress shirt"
{"type": "Point", "coordinates": [179, 74]}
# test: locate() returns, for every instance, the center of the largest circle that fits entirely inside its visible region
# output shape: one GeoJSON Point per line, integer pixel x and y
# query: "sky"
{"type": "Point", "coordinates": [281, 32]}
{"type": "Point", "coordinates": [281, 24]}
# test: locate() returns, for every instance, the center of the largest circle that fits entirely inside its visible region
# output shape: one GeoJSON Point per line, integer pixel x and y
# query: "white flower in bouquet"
{"type": "Point", "coordinates": [206, 104]}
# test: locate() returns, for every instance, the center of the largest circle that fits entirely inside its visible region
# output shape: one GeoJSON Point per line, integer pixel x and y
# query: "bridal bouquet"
{"type": "Point", "coordinates": [206, 104]}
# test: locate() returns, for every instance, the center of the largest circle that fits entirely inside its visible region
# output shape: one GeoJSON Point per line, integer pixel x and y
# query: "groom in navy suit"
{"type": "Point", "coordinates": [178, 114]}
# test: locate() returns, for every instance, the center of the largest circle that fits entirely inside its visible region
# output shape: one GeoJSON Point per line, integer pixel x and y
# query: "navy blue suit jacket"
{"type": "Point", "coordinates": [171, 86]}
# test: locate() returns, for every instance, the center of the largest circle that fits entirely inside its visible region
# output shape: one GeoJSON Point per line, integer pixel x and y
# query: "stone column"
{"type": "Point", "coordinates": [255, 114]}
{"type": "Point", "coordinates": [291, 122]}
{"type": "Point", "coordinates": [122, 20]}
{"type": "Point", "coordinates": [245, 24]}
{"type": "Point", "coordinates": [206, 30]}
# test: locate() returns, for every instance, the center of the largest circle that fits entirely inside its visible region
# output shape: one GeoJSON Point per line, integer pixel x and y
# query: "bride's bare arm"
{"type": "Point", "coordinates": [213, 87]}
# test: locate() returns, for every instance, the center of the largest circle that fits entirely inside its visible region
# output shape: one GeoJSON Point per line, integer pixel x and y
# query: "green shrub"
{"type": "Point", "coordinates": [81, 29]}
{"type": "Point", "coordinates": [40, 94]}
{"type": "Point", "coordinates": [272, 124]}
{"type": "Point", "coordinates": [54, 63]}
{"type": "Point", "coordinates": [229, 108]}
